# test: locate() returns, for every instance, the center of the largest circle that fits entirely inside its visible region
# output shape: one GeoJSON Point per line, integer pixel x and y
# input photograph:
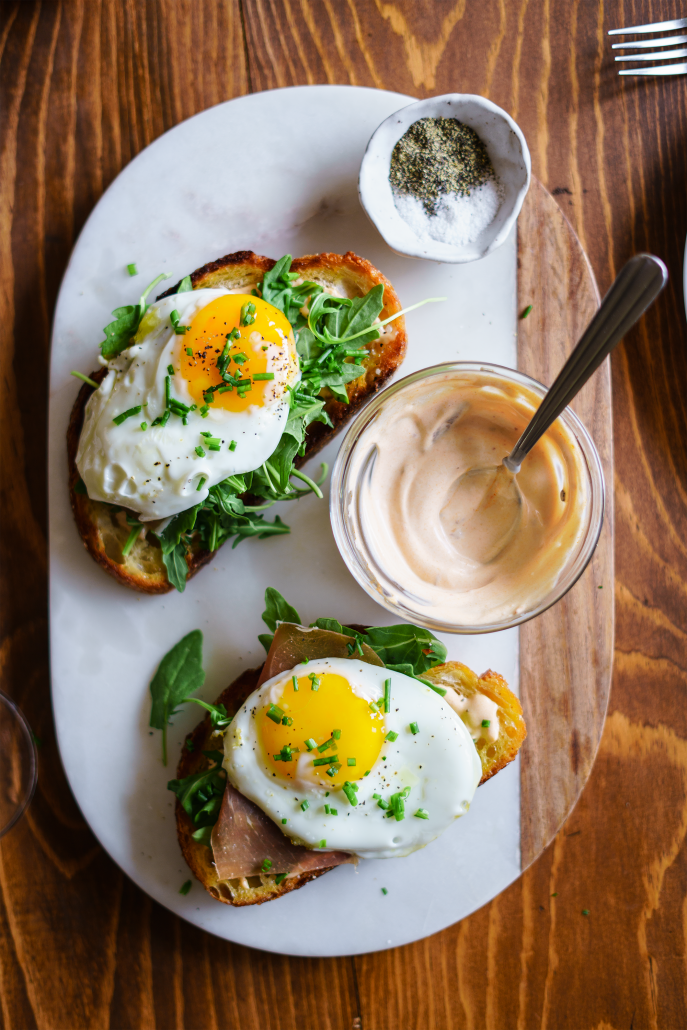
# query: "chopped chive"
{"type": "Point", "coordinates": [327, 743]}
{"type": "Point", "coordinates": [350, 761]}
{"type": "Point", "coordinates": [414, 728]}
{"type": "Point", "coordinates": [387, 695]}
{"type": "Point", "coordinates": [132, 270]}
{"type": "Point", "coordinates": [333, 811]}
{"type": "Point", "coordinates": [284, 822]}
{"type": "Point", "coordinates": [267, 864]}
{"type": "Point", "coordinates": [373, 706]}
{"type": "Point", "coordinates": [295, 683]}
{"type": "Point", "coordinates": [398, 807]}
{"type": "Point", "coordinates": [327, 794]}
{"type": "Point", "coordinates": [486, 723]}
{"type": "Point", "coordinates": [165, 418]}
{"type": "Point", "coordinates": [200, 452]}
{"type": "Point", "coordinates": [262, 375]}
{"type": "Point", "coordinates": [391, 736]}
{"type": "Point", "coordinates": [85, 379]}
{"type": "Point", "coordinates": [206, 434]}
{"type": "Point", "coordinates": [322, 844]}
{"type": "Point", "coordinates": [376, 796]}
{"type": "Point", "coordinates": [264, 347]}
{"type": "Point", "coordinates": [381, 803]}
{"type": "Point", "coordinates": [240, 358]}
{"type": "Point", "coordinates": [214, 445]}
{"type": "Point", "coordinates": [384, 758]}
{"type": "Point", "coordinates": [144, 426]}
{"type": "Point", "coordinates": [203, 412]}
{"type": "Point", "coordinates": [367, 773]}
{"type": "Point", "coordinates": [585, 911]}
{"type": "Point", "coordinates": [170, 370]}
{"type": "Point", "coordinates": [324, 761]}
{"type": "Point", "coordinates": [287, 721]}
{"type": "Point", "coordinates": [555, 894]}
{"type": "Point", "coordinates": [118, 419]}
{"type": "Point", "coordinates": [247, 313]}
{"type": "Point", "coordinates": [274, 713]}
{"type": "Point", "coordinates": [310, 744]}
{"type": "Point", "coordinates": [201, 484]}
{"type": "Point", "coordinates": [189, 351]}
{"type": "Point", "coordinates": [280, 877]}
{"type": "Point", "coordinates": [326, 809]}
{"type": "Point", "coordinates": [185, 887]}
{"type": "Point", "coordinates": [131, 539]}
{"type": "Point", "coordinates": [333, 770]}
{"type": "Point", "coordinates": [422, 813]}
{"type": "Point", "coordinates": [336, 734]}
{"type": "Point", "coordinates": [384, 890]}
{"type": "Point", "coordinates": [315, 680]}
{"type": "Point", "coordinates": [232, 445]}
{"type": "Point", "coordinates": [305, 805]}
{"type": "Point", "coordinates": [349, 791]}
{"type": "Point", "coordinates": [526, 312]}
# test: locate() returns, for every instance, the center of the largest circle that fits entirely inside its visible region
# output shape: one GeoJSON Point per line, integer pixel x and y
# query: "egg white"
{"type": "Point", "coordinates": [156, 472]}
{"type": "Point", "coordinates": [440, 764]}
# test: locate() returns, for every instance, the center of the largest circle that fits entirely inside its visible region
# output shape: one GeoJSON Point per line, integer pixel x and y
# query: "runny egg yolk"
{"type": "Point", "coordinates": [324, 708]}
{"type": "Point", "coordinates": [206, 340]}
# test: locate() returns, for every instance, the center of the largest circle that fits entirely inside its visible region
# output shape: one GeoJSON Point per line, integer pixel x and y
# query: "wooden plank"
{"type": "Point", "coordinates": [566, 654]}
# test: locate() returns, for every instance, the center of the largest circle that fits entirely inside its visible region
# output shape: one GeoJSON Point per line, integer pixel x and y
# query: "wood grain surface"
{"type": "Point", "coordinates": [566, 654]}
{"type": "Point", "coordinates": [84, 85]}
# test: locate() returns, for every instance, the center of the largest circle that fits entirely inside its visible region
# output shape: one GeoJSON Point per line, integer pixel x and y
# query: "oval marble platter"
{"type": "Point", "coordinates": [186, 200]}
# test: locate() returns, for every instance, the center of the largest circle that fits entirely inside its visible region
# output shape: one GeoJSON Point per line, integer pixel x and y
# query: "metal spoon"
{"type": "Point", "coordinates": [495, 488]}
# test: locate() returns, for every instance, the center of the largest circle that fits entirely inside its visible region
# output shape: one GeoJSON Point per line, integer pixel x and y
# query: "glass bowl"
{"type": "Point", "coordinates": [18, 767]}
{"type": "Point", "coordinates": [352, 466]}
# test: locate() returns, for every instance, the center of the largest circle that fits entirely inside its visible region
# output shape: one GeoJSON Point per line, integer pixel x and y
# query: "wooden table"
{"type": "Point", "coordinates": [84, 85]}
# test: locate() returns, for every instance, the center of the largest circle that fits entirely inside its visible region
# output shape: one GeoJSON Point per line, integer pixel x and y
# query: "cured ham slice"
{"type": "Point", "coordinates": [243, 836]}
{"type": "Point", "coordinates": [291, 644]}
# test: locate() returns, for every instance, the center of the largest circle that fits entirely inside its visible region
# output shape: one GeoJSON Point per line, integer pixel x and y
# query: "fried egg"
{"type": "Point", "coordinates": [161, 469]}
{"type": "Point", "coordinates": [315, 750]}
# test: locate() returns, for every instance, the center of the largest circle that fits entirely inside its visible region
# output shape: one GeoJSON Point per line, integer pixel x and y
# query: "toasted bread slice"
{"type": "Point", "coordinates": [255, 890]}
{"type": "Point", "coordinates": [102, 527]}
{"type": "Point", "coordinates": [512, 729]}
{"type": "Point", "coordinates": [251, 890]}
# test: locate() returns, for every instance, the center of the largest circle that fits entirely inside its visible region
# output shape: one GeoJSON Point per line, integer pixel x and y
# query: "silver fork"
{"type": "Point", "coordinates": [661, 55]}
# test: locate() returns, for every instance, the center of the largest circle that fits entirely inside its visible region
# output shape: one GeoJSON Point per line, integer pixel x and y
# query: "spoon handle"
{"type": "Point", "coordinates": [637, 285]}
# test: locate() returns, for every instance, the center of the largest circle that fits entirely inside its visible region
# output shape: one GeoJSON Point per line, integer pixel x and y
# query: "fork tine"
{"type": "Point", "coordinates": [656, 26]}
{"type": "Point", "coordinates": [638, 43]}
{"type": "Point", "coordinates": [660, 69]}
{"type": "Point", "coordinates": [662, 55]}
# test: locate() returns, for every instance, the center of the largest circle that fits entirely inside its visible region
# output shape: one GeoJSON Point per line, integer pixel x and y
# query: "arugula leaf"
{"type": "Point", "coordinates": [200, 795]}
{"type": "Point", "coordinates": [266, 640]}
{"type": "Point", "coordinates": [179, 674]}
{"type": "Point", "coordinates": [363, 311]}
{"type": "Point", "coordinates": [185, 285]}
{"type": "Point", "coordinates": [406, 644]}
{"type": "Point", "coordinates": [278, 610]}
{"type": "Point", "coordinates": [118, 334]}
{"type": "Point", "coordinates": [177, 567]}
{"type": "Point", "coordinates": [219, 720]}
{"type": "Point", "coordinates": [331, 624]}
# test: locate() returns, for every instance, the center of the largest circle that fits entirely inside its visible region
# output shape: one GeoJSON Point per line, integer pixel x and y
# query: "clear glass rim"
{"type": "Point", "coordinates": [341, 523]}
{"type": "Point", "coordinates": [33, 772]}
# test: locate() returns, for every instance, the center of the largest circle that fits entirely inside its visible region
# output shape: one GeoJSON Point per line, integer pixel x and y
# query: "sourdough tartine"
{"type": "Point", "coordinates": [103, 528]}
{"type": "Point", "coordinates": [255, 890]}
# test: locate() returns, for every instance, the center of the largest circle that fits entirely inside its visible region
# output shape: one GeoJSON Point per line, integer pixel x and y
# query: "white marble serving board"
{"type": "Point", "coordinates": [273, 172]}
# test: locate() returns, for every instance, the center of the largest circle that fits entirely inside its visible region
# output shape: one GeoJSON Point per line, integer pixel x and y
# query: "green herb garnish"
{"type": "Point", "coordinates": [179, 674]}
{"type": "Point", "coordinates": [132, 270]}
{"type": "Point", "coordinates": [118, 419]}
{"type": "Point", "coordinates": [85, 379]}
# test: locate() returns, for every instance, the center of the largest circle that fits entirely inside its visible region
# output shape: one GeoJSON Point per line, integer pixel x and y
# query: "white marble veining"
{"type": "Point", "coordinates": [190, 197]}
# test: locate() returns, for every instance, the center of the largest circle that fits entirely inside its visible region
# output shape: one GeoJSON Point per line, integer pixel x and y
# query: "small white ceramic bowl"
{"type": "Point", "coordinates": [507, 150]}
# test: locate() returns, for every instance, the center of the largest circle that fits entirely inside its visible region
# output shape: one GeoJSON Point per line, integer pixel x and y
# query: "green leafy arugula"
{"type": "Point", "coordinates": [409, 649]}
{"type": "Point", "coordinates": [119, 334]}
{"type": "Point", "coordinates": [200, 795]}
{"type": "Point", "coordinates": [179, 674]}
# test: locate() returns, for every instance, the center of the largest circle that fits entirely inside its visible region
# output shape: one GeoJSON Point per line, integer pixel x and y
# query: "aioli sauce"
{"type": "Point", "coordinates": [413, 454]}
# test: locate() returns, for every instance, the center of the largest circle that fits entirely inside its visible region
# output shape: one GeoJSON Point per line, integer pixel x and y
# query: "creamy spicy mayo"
{"type": "Point", "coordinates": [412, 456]}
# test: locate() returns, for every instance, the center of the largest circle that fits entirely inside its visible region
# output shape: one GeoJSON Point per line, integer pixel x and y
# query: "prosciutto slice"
{"type": "Point", "coordinates": [243, 836]}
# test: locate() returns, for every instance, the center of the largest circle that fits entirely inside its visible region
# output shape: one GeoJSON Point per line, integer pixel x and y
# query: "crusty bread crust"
{"type": "Point", "coordinates": [512, 730]}
{"type": "Point", "coordinates": [104, 534]}
{"type": "Point", "coordinates": [252, 890]}
{"type": "Point", "coordinates": [258, 889]}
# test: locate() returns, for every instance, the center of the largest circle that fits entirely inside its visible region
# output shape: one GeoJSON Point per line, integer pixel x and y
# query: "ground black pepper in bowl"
{"type": "Point", "coordinates": [437, 156]}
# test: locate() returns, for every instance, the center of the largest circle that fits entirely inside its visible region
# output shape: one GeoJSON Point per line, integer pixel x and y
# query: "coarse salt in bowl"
{"type": "Point", "coordinates": [466, 221]}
